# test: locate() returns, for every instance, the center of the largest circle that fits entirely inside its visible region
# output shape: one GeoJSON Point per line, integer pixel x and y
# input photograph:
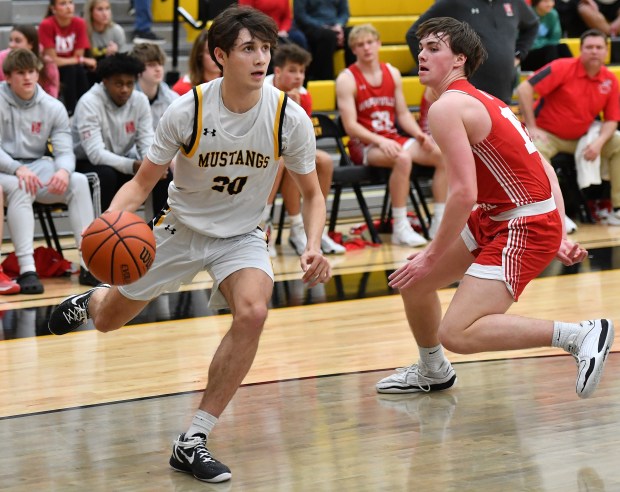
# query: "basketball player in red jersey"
{"type": "Point", "coordinates": [370, 101]}
{"type": "Point", "coordinates": [515, 231]}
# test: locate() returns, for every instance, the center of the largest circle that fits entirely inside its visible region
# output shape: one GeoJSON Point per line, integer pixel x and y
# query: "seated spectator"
{"type": "Point", "coordinates": [290, 62]}
{"type": "Point", "coordinates": [31, 117]}
{"type": "Point", "coordinates": [370, 101]}
{"type": "Point", "coordinates": [24, 36]}
{"type": "Point", "coordinates": [562, 115]}
{"type": "Point", "coordinates": [202, 68]}
{"type": "Point", "coordinates": [280, 11]}
{"type": "Point", "coordinates": [113, 128]}
{"type": "Point", "coordinates": [546, 47]}
{"type": "Point", "coordinates": [65, 40]}
{"type": "Point", "coordinates": [106, 37]}
{"type": "Point", "coordinates": [7, 285]}
{"type": "Point", "coordinates": [151, 81]}
{"type": "Point", "coordinates": [322, 22]}
{"type": "Point", "coordinates": [603, 15]}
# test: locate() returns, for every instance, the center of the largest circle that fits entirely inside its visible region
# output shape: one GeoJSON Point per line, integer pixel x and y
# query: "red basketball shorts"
{"type": "Point", "coordinates": [514, 251]}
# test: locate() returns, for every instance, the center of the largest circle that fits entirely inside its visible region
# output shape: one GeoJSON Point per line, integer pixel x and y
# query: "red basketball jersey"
{"type": "Point", "coordinates": [509, 169]}
{"type": "Point", "coordinates": [375, 104]}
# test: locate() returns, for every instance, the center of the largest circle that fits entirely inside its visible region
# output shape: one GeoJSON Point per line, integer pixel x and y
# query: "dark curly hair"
{"type": "Point", "coordinates": [119, 64]}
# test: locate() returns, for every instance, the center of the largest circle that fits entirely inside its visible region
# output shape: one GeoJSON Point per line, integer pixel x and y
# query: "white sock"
{"type": "Point", "coordinates": [561, 333]}
{"type": "Point", "coordinates": [202, 423]}
{"type": "Point", "coordinates": [27, 268]}
{"type": "Point", "coordinates": [267, 213]}
{"type": "Point", "coordinates": [296, 220]}
{"type": "Point", "coordinates": [399, 214]}
{"type": "Point", "coordinates": [438, 209]}
{"type": "Point", "coordinates": [432, 357]}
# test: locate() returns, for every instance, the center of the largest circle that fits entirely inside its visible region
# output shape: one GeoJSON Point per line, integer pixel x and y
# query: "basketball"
{"type": "Point", "coordinates": [118, 247]}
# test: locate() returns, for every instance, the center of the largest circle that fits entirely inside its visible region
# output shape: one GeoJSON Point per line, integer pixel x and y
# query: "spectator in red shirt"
{"type": "Point", "coordinates": [64, 38]}
{"type": "Point", "coordinates": [573, 92]}
{"type": "Point", "coordinates": [280, 11]}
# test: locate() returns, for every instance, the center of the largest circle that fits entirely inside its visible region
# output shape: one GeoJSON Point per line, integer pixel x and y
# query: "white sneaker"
{"type": "Point", "coordinates": [612, 219]}
{"type": "Point", "coordinates": [416, 378]}
{"type": "Point", "coordinates": [404, 235]}
{"type": "Point", "coordinates": [590, 348]}
{"type": "Point", "coordinates": [331, 247]}
{"type": "Point", "coordinates": [271, 239]}
{"type": "Point", "coordinates": [570, 225]}
{"type": "Point", "coordinates": [297, 239]}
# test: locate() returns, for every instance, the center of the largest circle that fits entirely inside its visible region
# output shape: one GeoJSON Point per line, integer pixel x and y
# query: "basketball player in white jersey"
{"type": "Point", "coordinates": [515, 231]}
{"type": "Point", "coordinates": [227, 136]}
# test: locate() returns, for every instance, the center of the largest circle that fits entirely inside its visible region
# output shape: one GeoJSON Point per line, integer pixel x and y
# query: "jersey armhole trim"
{"type": "Point", "coordinates": [278, 124]}
{"type": "Point", "coordinates": [190, 149]}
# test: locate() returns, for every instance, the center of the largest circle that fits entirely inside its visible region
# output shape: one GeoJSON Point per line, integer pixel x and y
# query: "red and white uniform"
{"type": "Point", "coordinates": [375, 111]}
{"type": "Point", "coordinates": [516, 230]}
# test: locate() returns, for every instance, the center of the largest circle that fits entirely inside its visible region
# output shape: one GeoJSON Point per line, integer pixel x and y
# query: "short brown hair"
{"type": "Point", "coordinates": [228, 24]}
{"type": "Point", "coordinates": [21, 59]}
{"type": "Point", "coordinates": [463, 40]}
{"type": "Point", "coordinates": [148, 52]}
{"type": "Point", "coordinates": [291, 53]}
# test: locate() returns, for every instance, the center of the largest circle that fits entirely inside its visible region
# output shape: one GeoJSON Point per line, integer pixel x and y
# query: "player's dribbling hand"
{"type": "Point", "coordinates": [571, 253]}
{"type": "Point", "coordinates": [316, 268]}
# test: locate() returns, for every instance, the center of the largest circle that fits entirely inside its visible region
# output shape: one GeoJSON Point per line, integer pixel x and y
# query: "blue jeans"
{"type": "Point", "coordinates": [144, 17]}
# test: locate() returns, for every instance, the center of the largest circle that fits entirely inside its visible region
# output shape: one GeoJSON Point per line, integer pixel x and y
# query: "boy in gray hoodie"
{"type": "Point", "coordinates": [29, 117]}
{"type": "Point", "coordinates": [112, 129]}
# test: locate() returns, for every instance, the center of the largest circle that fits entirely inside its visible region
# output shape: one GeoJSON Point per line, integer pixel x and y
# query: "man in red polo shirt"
{"type": "Point", "coordinates": [573, 92]}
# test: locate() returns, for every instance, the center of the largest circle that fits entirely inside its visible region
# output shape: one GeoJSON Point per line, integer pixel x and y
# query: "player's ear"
{"type": "Point", "coordinates": [219, 55]}
{"type": "Point", "coordinates": [459, 60]}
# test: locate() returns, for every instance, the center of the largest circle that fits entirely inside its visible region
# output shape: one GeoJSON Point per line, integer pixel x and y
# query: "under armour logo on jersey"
{"type": "Point", "coordinates": [207, 131]}
{"type": "Point", "coordinates": [475, 11]}
{"type": "Point", "coordinates": [171, 230]}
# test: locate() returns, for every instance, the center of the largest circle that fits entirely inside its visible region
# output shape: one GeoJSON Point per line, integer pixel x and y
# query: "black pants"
{"type": "Point", "coordinates": [73, 84]}
{"type": "Point", "coordinates": [323, 44]}
{"type": "Point", "coordinates": [111, 181]}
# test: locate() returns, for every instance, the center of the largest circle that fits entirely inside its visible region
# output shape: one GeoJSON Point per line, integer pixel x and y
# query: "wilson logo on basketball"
{"type": "Point", "coordinates": [146, 257]}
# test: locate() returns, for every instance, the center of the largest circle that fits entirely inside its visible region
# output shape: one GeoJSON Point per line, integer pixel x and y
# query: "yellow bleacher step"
{"type": "Point", "coordinates": [388, 7]}
{"type": "Point", "coordinates": [162, 9]}
{"type": "Point", "coordinates": [323, 93]}
{"type": "Point", "coordinates": [392, 28]}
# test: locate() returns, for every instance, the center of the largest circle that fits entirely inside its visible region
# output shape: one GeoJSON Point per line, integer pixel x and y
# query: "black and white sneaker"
{"type": "Point", "coordinates": [417, 378]}
{"type": "Point", "coordinates": [590, 348]}
{"type": "Point", "coordinates": [190, 455]}
{"type": "Point", "coordinates": [71, 313]}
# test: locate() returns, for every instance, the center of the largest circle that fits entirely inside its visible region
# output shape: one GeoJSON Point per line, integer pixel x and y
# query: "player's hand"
{"type": "Point", "coordinates": [418, 266]}
{"type": "Point", "coordinates": [390, 147]}
{"type": "Point", "coordinates": [571, 253]}
{"type": "Point", "coordinates": [28, 180]}
{"type": "Point", "coordinates": [59, 182]}
{"type": "Point", "coordinates": [316, 268]}
{"type": "Point", "coordinates": [294, 95]}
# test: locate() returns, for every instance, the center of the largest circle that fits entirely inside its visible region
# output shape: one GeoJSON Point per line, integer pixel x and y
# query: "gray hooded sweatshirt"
{"type": "Point", "coordinates": [25, 127]}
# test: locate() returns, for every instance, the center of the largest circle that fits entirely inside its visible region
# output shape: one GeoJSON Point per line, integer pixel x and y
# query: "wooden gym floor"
{"type": "Point", "coordinates": [97, 412]}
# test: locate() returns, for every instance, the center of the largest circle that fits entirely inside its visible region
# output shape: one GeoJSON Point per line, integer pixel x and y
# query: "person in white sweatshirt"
{"type": "Point", "coordinates": [29, 117]}
{"type": "Point", "coordinates": [112, 129]}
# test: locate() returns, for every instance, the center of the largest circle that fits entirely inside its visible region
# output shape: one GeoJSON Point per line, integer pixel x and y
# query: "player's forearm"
{"type": "Point", "coordinates": [314, 212]}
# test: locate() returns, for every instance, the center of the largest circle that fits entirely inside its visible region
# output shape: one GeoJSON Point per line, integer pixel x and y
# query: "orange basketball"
{"type": "Point", "coordinates": [118, 247]}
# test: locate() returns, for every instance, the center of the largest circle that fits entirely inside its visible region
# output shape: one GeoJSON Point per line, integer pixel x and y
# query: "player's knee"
{"type": "Point", "coordinates": [252, 316]}
{"type": "Point", "coordinates": [455, 340]}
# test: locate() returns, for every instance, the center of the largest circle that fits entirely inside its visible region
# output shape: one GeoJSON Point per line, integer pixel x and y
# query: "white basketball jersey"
{"type": "Point", "coordinates": [222, 180]}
